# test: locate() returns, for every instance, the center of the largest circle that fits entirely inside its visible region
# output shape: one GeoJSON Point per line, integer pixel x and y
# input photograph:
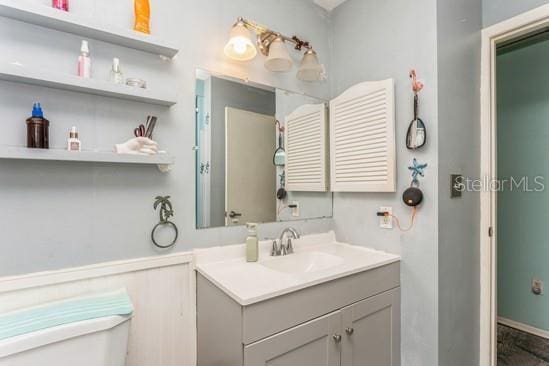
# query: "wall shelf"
{"type": "Point", "coordinates": [21, 74]}
{"type": "Point", "coordinates": [23, 153]}
{"type": "Point", "coordinates": [48, 17]}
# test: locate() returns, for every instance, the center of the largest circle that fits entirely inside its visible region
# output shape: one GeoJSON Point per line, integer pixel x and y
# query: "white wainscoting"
{"type": "Point", "coordinates": [162, 289]}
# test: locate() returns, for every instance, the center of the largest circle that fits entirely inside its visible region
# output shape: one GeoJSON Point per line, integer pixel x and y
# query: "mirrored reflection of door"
{"type": "Point", "coordinates": [250, 184]}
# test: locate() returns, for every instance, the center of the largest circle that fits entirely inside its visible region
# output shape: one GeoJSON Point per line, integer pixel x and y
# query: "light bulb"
{"type": "Point", "coordinates": [240, 45]}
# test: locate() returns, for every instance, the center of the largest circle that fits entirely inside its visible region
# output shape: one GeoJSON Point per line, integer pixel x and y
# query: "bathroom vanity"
{"type": "Point", "coordinates": [327, 304]}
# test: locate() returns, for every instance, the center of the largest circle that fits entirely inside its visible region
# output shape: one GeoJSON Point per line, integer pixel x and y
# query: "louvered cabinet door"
{"type": "Point", "coordinates": [362, 138]}
{"type": "Point", "coordinates": [306, 148]}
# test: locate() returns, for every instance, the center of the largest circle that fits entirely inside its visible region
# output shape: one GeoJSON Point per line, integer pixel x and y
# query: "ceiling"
{"type": "Point", "coordinates": [329, 4]}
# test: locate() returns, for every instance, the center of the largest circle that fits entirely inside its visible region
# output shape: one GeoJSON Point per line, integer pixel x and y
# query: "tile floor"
{"type": "Point", "coordinates": [517, 348]}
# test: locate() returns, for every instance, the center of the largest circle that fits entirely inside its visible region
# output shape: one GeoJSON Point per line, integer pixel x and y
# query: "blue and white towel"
{"type": "Point", "coordinates": [65, 311]}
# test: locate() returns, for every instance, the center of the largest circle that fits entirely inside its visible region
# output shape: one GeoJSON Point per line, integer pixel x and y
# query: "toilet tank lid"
{"type": "Point", "coordinates": [25, 342]}
{"type": "Point", "coordinates": [62, 312]}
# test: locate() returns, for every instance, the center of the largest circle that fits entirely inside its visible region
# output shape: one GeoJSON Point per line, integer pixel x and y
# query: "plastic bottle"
{"type": "Point", "coordinates": [60, 4]}
{"type": "Point", "coordinates": [252, 244]}
{"type": "Point", "coordinates": [84, 61]}
{"type": "Point", "coordinates": [38, 129]}
{"type": "Point", "coordinates": [117, 76]}
{"type": "Point", "coordinates": [142, 10]}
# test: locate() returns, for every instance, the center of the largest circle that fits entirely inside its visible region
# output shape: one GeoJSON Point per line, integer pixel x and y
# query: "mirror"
{"type": "Point", "coordinates": [416, 136]}
{"type": "Point", "coordinates": [240, 155]}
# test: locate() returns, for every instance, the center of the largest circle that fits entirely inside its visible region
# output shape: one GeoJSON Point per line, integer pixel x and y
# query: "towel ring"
{"type": "Point", "coordinates": [160, 224]}
{"type": "Point", "coordinates": [166, 211]}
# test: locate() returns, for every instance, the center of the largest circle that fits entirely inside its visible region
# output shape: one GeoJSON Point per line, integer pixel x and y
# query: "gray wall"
{"type": "Point", "coordinates": [459, 24]}
{"type": "Point", "coordinates": [56, 215]}
{"type": "Point", "coordinates": [494, 11]}
{"type": "Point", "coordinates": [375, 40]}
{"type": "Point", "coordinates": [226, 93]}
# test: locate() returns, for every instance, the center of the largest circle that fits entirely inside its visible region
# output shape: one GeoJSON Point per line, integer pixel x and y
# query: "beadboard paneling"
{"type": "Point", "coordinates": [162, 289]}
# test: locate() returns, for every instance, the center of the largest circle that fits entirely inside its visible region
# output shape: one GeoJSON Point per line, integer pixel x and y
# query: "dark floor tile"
{"type": "Point", "coordinates": [517, 348]}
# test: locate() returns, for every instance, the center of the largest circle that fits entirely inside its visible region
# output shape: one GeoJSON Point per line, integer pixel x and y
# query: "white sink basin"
{"type": "Point", "coordinates": [305, 262]}
{"type": "Point", "coordinates": [317, 259]}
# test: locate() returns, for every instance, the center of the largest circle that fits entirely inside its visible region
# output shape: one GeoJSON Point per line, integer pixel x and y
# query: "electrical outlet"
{"type": "Point", "coordinates": [537, 286]}
{"type": "Point", "coordinates": [386, 222]}
{"type": "Point", "coordinates": [295, 210]}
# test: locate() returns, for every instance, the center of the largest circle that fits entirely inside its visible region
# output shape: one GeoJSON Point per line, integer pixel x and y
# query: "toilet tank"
{"type": "Point", "coordinates": [95, 342]}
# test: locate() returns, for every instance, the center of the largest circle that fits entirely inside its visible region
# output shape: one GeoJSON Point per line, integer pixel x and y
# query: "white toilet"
{"type": "Point", "coordinates": [96, 342]}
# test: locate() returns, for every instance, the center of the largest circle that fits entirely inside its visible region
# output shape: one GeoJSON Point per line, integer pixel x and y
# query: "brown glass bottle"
{"type": "Point", "coordinates": [38, 129]}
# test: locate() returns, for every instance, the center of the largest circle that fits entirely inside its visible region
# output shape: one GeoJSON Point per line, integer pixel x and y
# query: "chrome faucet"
{"type": "Point", "coordinates": [279, 248]}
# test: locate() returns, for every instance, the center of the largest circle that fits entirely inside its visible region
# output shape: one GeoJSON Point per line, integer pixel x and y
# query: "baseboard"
{"type": "Point", "coordinates": [524, 327]}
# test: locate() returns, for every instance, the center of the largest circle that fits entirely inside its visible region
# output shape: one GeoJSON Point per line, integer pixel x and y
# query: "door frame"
{"type": "Point", "coordinates": [509, 29]}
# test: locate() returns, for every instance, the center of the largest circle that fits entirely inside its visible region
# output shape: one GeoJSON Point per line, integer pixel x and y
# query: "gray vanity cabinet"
{"type": "Point", "coordinates": [309, 344]}
{"type": "Point", "coordinates": [363, 334]}
{"type": "Point", "coordinates": [350, 321]}
{"type": "Point", "coordinates": [371, 331]}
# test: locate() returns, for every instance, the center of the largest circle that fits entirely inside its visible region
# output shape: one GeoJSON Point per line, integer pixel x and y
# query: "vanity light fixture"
{"type": "Point", "coordinates": [273, 45]}
{"type": "Point", "coordinates": [310, 69]}
{"type": "Point", "coordinates": [240, 46]}
{"type": "Point", "coordinates": [279, 59]}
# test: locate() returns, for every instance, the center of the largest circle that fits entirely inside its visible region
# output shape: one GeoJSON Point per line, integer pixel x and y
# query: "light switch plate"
{"type": "Point", "coordinates": [386, 222]}
{"type": "Point", "coordinates": [455, 185]}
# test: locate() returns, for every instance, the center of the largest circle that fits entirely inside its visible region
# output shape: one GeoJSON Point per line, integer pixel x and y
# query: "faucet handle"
{"type": "Point", "coordinates": [289, 247]}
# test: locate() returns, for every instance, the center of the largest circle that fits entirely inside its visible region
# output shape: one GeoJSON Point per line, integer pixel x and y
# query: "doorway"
{"type": "Point", "coordinates": [514, 144]}
{"type": "Point", "coordinates": [522, 95]}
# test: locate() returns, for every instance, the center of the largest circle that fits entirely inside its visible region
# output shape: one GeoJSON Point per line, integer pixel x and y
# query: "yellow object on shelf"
{"type": "Point", "coordinates": [142, 16]}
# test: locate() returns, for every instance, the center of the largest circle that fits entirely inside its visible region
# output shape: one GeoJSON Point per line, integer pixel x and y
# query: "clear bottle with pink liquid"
{"type": "Point", "coordinates": [60, 4]}
{"type": "Point", "coordinates": [84, 61]}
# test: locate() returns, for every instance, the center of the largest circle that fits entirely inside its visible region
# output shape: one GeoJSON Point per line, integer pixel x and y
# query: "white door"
{"type": "Point", "coordinates": [250, 183]}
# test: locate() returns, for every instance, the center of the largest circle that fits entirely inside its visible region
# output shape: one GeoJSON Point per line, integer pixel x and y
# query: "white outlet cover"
{"type": "Point", "coordinates": [538, 284]}
{"type": "Point", "coordinates": [386, 222]}
{"type": "Point", "coordinates": [295, 211]}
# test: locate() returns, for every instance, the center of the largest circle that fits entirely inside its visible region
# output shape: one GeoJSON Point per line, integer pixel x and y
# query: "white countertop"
{"type": "Point", "coordinates": [249, 283]}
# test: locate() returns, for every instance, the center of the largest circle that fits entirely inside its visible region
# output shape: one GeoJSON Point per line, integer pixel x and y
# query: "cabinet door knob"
{"type": "Point", "coordinates": [337, 338]}
{"type": "Point", "coordinates": [350, 331]}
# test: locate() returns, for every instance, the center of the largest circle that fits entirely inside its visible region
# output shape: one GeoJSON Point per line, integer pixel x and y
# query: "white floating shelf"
{"type": "Point", "coordinates": [23, 153]}
{"type": "Point", "coordinates": [49, 17]}
{"type": "Point", "coordinates": [21, 74]}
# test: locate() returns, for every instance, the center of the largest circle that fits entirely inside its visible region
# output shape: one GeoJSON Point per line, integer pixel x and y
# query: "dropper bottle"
{"type": "Point", "coordinates": [73, 143]}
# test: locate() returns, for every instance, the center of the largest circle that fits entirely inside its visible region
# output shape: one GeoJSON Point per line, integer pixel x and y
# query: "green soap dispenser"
{"type": "Point", "coordinates": [252, 245]}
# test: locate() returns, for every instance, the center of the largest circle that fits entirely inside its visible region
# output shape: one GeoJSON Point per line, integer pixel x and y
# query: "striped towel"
{"type": "Point", "coordinates": [62, 312]}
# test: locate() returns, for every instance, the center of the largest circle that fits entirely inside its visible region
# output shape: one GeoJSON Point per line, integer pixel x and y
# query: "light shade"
{"type": "Point", "coordinates": [279, 59]}
{"type": "Point", "coordinates": [310, 69]}
{"type": "Point", "coordinates": [240, 46]}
